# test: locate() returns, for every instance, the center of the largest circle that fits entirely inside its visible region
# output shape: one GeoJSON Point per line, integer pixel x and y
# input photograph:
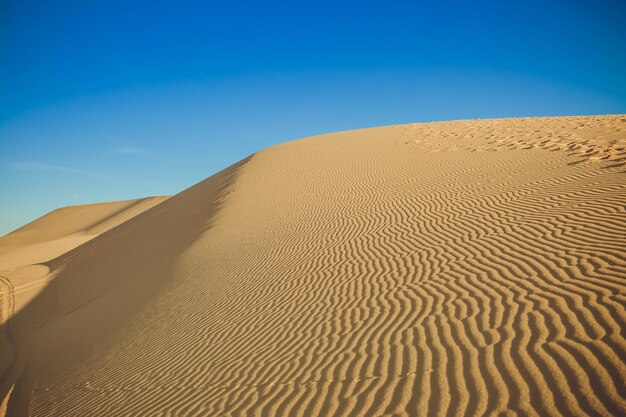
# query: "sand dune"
{"type": "Point", "coordinates": [66, 228]}
{"type": "Point", "coordinates": [25, 251]}
{"type": "Point", "coordinates": [439, 269]}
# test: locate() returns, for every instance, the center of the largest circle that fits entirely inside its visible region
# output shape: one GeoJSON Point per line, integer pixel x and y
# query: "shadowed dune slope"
{"type": "Point", "coordinates": [440, 269]}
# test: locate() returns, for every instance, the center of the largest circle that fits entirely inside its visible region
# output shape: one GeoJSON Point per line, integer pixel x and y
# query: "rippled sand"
{"type": "Point", "coordinates": [439, 269]}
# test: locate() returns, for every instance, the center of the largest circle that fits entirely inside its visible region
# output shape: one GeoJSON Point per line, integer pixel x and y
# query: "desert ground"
{"type": "Point", "coordinates": [461, 268]}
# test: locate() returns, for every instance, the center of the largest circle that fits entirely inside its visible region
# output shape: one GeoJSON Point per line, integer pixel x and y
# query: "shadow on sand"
{"type": "Point", "coordinates": [100, 285]}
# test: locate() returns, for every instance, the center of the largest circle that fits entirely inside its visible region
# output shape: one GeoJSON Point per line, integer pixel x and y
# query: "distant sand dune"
{"type": "Point", "coordinates": [439, 269]}
{"type": "Point", "coordinates": [66, 228]}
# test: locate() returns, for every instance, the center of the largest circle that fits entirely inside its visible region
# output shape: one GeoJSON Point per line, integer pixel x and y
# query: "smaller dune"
{"type": "Point", "coordinates": [25, 251]}
{"type": "Point", "coordinates": [64, 229]}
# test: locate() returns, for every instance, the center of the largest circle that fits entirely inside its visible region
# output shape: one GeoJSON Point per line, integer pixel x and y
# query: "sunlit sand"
{"type": "Point", "coordinates": [439, 269]}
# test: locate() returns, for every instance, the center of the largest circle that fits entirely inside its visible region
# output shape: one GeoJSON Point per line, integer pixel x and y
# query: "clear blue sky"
{"type": "Point", "coordinates": [110, 100]}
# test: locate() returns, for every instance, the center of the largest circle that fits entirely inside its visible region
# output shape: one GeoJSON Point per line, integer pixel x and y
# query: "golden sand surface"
{"type": "Point", "coordinates": [462, 268]}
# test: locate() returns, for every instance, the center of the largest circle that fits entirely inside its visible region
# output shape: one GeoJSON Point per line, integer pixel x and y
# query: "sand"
{"type": "Point", "coordinates": [64, 229]}
{"type": "Point", "coordinates": [440, 269]}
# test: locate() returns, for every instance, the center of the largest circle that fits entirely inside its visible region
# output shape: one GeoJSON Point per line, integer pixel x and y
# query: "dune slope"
{"type": "Point", "coordinates": [25, 251]}
{"type": "Point", "coordinates": [454, 268]}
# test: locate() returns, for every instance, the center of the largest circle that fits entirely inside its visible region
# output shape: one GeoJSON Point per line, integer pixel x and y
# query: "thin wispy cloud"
{"type": "Point", "coordinates": [128, 150]}
{"type": "Point", "coordinates": [36, 166]}
{"type": "Point", "coordinates": [42, 167]}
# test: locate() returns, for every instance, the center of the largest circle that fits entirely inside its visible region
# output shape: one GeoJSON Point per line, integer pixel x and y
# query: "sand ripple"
{"type": "Point", "coordinates": [443, 269]}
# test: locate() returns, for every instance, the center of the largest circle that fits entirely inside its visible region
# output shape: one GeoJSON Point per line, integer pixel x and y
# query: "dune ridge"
{"type": "Point", "coordinates": [440, 269]}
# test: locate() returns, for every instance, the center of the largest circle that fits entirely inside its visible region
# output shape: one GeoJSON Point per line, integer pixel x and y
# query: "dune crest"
{"type": "Point", "coordinates": [438, 269]}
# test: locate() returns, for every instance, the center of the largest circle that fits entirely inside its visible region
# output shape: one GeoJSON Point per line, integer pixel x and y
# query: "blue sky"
{"type": "Point", "coordinates": [113, 100]}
